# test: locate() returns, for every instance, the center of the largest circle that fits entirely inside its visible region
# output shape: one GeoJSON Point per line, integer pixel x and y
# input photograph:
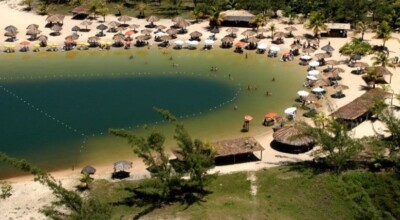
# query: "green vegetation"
{"type": "Point", "coordinates": [283, 193]}
{"type": "Point", "coordinates": [355, 47]}
{"type": "Point", "coordinates": [6, 190]}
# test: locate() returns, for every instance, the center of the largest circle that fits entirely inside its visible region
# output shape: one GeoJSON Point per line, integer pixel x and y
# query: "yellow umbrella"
{"type": "Point", "coordinates": [11, 46]}
{"type": "Point", "coordinates": [108, 42]}
{"type": "Point", "coordinates": [102, 43]}
{"type": "Point", "coordinates": [81, 43]}
{"type": "Point", "coordinates": [36, 45]}
{"type": "Point", "coordinates": [86, 44]}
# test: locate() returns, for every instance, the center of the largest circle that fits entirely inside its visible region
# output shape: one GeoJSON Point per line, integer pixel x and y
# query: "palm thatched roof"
{"type": "Point", "coordinates": [195, 34]}
{"type": "Point", "coordinates": [292, 135]}
{"type": "Point", "coordinates": [381, 70]}
{"type": "Point", "coordinates": [237, 15]}
{"type": "Point", "coordinates": [81, 9]}
{"type": "Point", "coordinates": [231, 147]}
{"type": "Point", "coordinates": [360, 105]}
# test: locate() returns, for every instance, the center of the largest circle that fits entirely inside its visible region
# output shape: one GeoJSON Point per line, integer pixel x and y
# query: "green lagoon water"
{"type": "Point", "coordinates": [56, 108]}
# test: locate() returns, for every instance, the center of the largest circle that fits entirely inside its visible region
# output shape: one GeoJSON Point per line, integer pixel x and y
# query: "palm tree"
{"type": "Point", "coordinates": [356, 46]}
{"type": "Point", "coordinates": [383, 60]}
{"type": "Point", "coordinates": [259, 20]}
{"type": "Point", "coordinates": [272, 28]}
{"type": "Point", "coordinates": [102, 10]}
{"type": "Point", "coordinates": [335, 143]}
{"type": "Point", "coordinates": [85, 181]}
{"type": "Point", "coordinates": [316, 23]}
{"type": "Point", "coordinates": [141, 7]}
{"type": "Point", "coordinates": [361, 28]}
{"type": "Point", "coordinates": [384, 32]}
{"type": "Point", "coordinates": [216, 18]}
{"type": "Point", "coordinates": [28, 4]}
{"type": "Point", "coordinates": [372, 77]}
{"type": "Point", "coordinates": [320, 120]}
{"type": "Point", "coordinates": [119, 7]}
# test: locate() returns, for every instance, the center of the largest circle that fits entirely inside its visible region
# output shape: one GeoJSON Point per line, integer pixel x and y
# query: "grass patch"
{"type": "Point", "coordinates": [282, 194]}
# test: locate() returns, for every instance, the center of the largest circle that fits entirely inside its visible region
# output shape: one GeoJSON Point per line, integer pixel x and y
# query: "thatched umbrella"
{"type": "Point", "coordinates": [249, 33]}
{"type": "Point", "coordinates": [322, 82]}
{"type": "Point", "coordinates": [299, 37]}
{"type": "Point", "coordinates": [279, 34]}
{"type": "Point", "coordinates": [32, 27]}
{"type": "Point", "coordinates": [86, 24]}
{"type": "Point", "coordinates": [165, 38]}
{"type": "Point", "coordinates": [134, 26]}
{"type": "Point", "coordinates": [332, 62]}
{"type": "Point", "coordinates": [143, 37]}
{"type": "Point", "coordinates": [328, 48]}
{"type": "Point", "coordinates": [181, 22]}
{"type": "Point", "coordinates": [195, 34]}
{"type": "Point", "coordinates": [337, 70]}
{"type": "Point", "coordinates": [308, 50]}
{"type": "Point", "coordinates": [361, 64]}
{"type": "Point", "coordinates": [76, 28]}
{"type": "Point", "coordinates": [355, 57]}
{"type": "Point", "coordinates": [114, 24]}
{"type": "Point", "coordinates": [120, 29]}
{"type": "Point", "coordinates": [93, 39]}
{"type": "Point", "coordinates": [340, 87]}
{"type": "Point", "coordinates": [11, 28]}
{"type": "Point", "coordinates": [124, 18]}
{"type": "Point", "coordinates": [227, 39]}
{"type": "Point", "coordinates": [322, 56]}
{"type": "Point", "coordinates": [292, 135]}
{"type": "Point", "coordinates": [101, 27]}
{"type": "Point", "coordinates": [122, 165]}
{"type": "Point", "coordinates": [42, 38]}
{"type": "Point", "coordinates": [311, 98]}
{"type": "Point", "coordinates": [88, 170]}
{"type": "Point", "coordinates": [56, 18]}
{"type": "Point", "coordinates": [313, 105]}
{"type": "Point", "coordinates": [332, 75]}
{"type": "Point", "coordinates": [146, 31]}
{"type": "Point", "coordinates": [71, 37]}
{"type": "Point", "coordinates": [152, 19]}
{"type": "Point", "coordinates": [290, 29]}
{"type": "Point", "coordinates": [160, 27]}
{"type": "Point", "coordinates": [33, 32]}
{"type": "Point", "coordinates": [253, 40]}
{"type": "Point", "coordinates": [56, 28]}
{"type": "Point", "coordinates": [171, 32]}
{"type": "Point", "coordinates": [118, 37]}
{"type": "Point", "coordinates": [215, 30]}
{"type": "Point", "coordinates": [295, 46]}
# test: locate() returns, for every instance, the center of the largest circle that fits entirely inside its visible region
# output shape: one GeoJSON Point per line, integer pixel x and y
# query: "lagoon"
{"type": "Point", "coordinates": [56, 108]}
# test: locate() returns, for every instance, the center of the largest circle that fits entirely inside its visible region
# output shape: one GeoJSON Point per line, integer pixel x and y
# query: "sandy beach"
{"type": "Point", "coordinates": [29, 196]}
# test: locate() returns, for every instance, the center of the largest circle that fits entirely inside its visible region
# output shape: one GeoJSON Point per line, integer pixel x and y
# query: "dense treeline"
{"type": "Point", "coordinates": [352, 11]}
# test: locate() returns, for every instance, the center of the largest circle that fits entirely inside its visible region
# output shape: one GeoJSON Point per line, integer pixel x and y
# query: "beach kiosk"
{"type": "Point", "coordinates": [337, 29]}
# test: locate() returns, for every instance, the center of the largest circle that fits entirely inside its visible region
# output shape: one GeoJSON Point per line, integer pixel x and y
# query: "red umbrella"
{"type": "Point", "coordinates": [24, 43]}
{"type": "Point", "coordinates": [129, 33]}
{"type": "Point", "coordinates": [240, 44]}
{"type": "Point", "coordinates": [248, 117]}
{"type": "Point", "coordinates": [270, 115]}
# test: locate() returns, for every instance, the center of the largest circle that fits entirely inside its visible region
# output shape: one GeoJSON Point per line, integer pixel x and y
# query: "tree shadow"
{"type": "Point", "coordinates": [311, 168]}
{"type": "Point", "coordinates": [148, 197]}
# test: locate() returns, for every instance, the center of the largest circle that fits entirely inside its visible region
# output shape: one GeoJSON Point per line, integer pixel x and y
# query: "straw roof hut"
{"type": "Point", "coordinates": [292, 135]}
{"type": "Point", "coordinates": [359, 109]}
{"type": "Point", "coordinates": [232, 147]}
{"type": "Point", "coordinates": [81, 9]}
{"type": "Point", "coordinates": [381, 70]}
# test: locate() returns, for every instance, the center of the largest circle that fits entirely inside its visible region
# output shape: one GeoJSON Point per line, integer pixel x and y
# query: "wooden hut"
{"type": "Point", "coordinates": [337, 29]}
{"type": "Point", "coordinates": [233, 150]}
{"type": "Point", "coordinates": [359, 109]}
{"type": "Point", "coordinates": [237, 18]}
{"type": "Point", "coordinates": [290, 139]}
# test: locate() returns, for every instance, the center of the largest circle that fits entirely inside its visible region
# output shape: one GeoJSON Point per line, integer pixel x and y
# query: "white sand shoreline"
{"type": "Point", "coordinates": [29, 196]}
